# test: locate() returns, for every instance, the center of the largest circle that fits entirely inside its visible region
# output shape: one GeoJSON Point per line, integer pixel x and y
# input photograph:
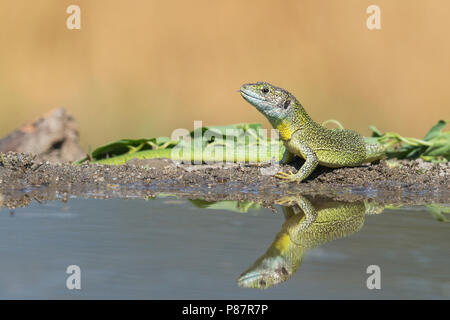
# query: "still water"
{"type": "Point", "coordinates": [169, 248]}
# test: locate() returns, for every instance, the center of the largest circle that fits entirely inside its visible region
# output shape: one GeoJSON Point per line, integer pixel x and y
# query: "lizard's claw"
{"type": "Point", "coordinates": [285, 201]}
{"type": "Point", "coordinates": [283, 175]}
{"type": "Point", "coordinates": [287, 176]}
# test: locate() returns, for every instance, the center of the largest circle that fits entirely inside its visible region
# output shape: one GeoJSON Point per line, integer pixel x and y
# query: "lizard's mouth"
{"type": "Point", "coordinates": [250, 95]}
{"type": "Point", "coordinates": [249, 280]}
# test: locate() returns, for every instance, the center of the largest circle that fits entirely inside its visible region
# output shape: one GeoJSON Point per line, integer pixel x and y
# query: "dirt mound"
{"type": "Point", "coordinates": [413, 182]}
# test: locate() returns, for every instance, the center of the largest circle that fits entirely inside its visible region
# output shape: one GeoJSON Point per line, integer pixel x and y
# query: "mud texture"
{"type": "Point", "coordinates": [23, 178]}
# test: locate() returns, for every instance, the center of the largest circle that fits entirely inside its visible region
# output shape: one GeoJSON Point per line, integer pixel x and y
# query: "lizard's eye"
{"type": "Point", "coordinates": [287, 103]}
{"type": "Point", "coordinates": [265, 90]}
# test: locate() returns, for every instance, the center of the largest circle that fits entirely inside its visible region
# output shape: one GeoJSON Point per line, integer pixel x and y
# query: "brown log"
{"type": "Point", "coordinates": [52, 137]}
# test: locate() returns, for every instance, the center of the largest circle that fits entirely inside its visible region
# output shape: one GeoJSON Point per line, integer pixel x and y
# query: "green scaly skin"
{"type": "Point", "coordinates": [303, 137]}
{"type": "Point", "coordinates": [308, 224]}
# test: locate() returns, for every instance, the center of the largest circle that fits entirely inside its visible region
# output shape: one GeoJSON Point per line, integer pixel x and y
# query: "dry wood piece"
{"type": "Point", "coordinates": [52, 137]}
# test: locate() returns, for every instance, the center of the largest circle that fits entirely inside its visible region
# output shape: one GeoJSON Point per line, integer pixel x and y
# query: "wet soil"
{"type": "Point", "coordinates": [23, 178]}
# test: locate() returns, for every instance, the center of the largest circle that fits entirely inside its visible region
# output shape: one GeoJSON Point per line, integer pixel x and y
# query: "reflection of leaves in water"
{"type": "Point", "coordinates": [438, 211]}
{"type": "Point", "coordinates": [229, 205]}
{"type": "Point", "coordinates": [235, 206]}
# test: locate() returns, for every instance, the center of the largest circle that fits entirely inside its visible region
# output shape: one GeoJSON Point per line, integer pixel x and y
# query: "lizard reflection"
{"type": "Point", "coordinates": [308, 224]}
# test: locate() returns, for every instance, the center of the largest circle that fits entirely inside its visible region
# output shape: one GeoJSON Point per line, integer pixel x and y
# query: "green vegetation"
{"type": "Point", "coordinates": [435, 146]}
{"type": "Point", "coordinates": [241, 142]}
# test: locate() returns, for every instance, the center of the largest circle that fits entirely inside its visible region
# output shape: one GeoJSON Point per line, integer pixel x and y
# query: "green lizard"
{"type": "Point", "coordinates": [308, 224]}
{"type": "Point", "coordinates": [303, 137]}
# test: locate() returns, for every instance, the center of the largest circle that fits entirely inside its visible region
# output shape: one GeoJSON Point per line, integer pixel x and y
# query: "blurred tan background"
{"type": "Point", "coordinates": [141, 68]}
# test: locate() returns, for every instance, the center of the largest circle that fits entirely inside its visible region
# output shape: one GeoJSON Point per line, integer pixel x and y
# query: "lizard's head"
{"type": "Point", "coordinates": [275, 103]}
{"type": "Point", "coordinates": [266, 272]}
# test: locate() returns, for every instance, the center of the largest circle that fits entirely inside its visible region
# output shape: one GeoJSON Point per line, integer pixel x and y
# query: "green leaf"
{"type": "Point", "coordinates": [162, 140]}
{"type": "Point", "coordinates": [435, 130]}
{"type": "Point", "coordinates": [415, 153]}
{"type": "Point", "coordinates": [438, 150]}
{"type": "Point", "coordinates": [375, 131]}
{"type": "Point", "coordinates": [119, 147]}
{"type": "Point", "coordinates": [371, 140]}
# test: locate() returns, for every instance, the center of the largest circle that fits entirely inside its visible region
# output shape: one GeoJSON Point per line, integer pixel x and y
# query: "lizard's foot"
{"type": "Point", "coordinates": [289, 177]}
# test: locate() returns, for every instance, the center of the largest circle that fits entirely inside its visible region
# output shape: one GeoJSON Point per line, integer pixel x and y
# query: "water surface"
{"type": "Point", "coordinates": [167, 248]}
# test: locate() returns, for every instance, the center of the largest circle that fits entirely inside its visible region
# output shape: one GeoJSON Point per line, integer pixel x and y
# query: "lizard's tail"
{"type": "Point", "coordinates": [374, 150]}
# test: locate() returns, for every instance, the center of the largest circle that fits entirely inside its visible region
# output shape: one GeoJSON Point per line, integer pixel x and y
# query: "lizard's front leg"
{"type": "Point", "coordinates": [311, 162]}
{"type": "Point", "coordinates": [296, 204]}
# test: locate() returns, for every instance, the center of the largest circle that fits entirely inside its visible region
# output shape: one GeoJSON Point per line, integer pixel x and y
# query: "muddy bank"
{"type": "Point", "coordinates": [23, 178]}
